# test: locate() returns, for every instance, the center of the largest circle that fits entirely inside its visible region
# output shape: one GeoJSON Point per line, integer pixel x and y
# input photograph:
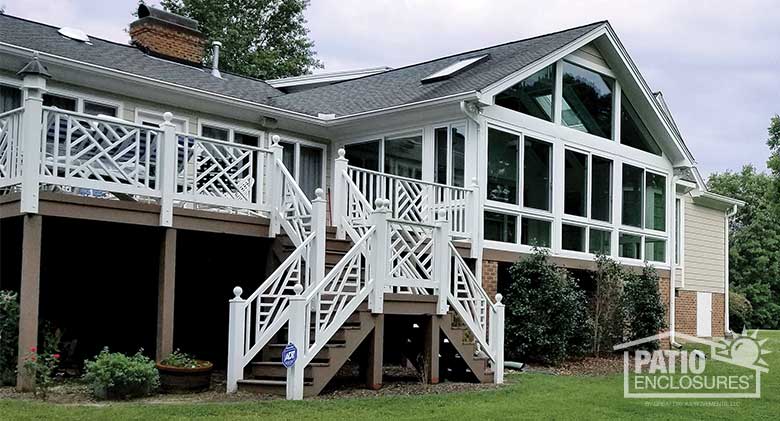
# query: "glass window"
{"type": "Point", "coordinates": [363, 155]}
{"type": "Point", "coordinates": [502, 166]}
{"type": "Point", "coordinates": [532, 96]}
{"type": "Point", "coordinates": [632, 195]}
{"type": "Point", "coordinates": [500, 227]}
{"type": "Point", "coordinates": [535, 232]}
{"type": "Point", "coordinates": [601, 189]}
{"type": "Point", "coordinates": [630, 246]}
{"type": "Point", "coordinates": [536, 174]}
{"type": "Point", "coordinates": [587, 98]}
{"type": "Point", "coordinates": [288, 157]}
{"type": "Point", "coordinates": [245, 139]}
{"type": "Point", "coordinates": [655, 249]}
{"type": "Point", "coordinates": [655, 202]}
{"type": "Point", "coordinates": [572, 237]}
{"type": "Point", "coordinates": [216, 133]}
{"type": "Point", "coordinates": [403, 156]}
{"type": "Point", "coordinates": [458, 156]}
{"type": "Point", "coordinates": [677, 231]}
{"type": "Point", "coordinates": [440, 156]}
{"type": "Point", "coordinates": [600, 242]}
{"type": "Point", "coordinates": [310, 175]}
{"type": "Point", "coordinates": [60, 102]}
{"type": "Point", "coordinates": [633, 132]}
{"type": "Point", "coordinates": [576, 184]}
{"type": "Point", "coordinates": [94, 108]}
{"type": "Point", "coordinates": [10, 98]}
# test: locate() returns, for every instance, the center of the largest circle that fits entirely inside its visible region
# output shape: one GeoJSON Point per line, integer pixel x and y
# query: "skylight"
{"type": "Point", "coordinates": [453, 69]}
{"type": "Point", "coordinates": [74, 34]}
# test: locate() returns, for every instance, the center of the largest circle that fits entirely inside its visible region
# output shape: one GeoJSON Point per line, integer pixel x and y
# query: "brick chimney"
{"type": "Point", "coordinates": [168, 35]}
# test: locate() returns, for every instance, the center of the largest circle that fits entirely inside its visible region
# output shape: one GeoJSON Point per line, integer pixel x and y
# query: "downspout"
{"type": "Point", "coordinates": [673, 271]}
{"type": "Point", "coordinates": [726, 323]}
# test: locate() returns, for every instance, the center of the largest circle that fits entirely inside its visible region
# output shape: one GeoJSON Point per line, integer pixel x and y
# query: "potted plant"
{"type": "Point", "coordinates": [180, 372]}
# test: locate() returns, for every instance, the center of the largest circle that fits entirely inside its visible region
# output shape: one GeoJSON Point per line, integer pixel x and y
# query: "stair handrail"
{"type": "Point", "coordinates": [295, 210]}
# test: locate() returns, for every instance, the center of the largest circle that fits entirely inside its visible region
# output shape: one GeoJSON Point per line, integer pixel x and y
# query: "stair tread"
{"type": "Point", "coordinates": [270, 382]}
{"type": "Point", "coordinates": [278, 363]}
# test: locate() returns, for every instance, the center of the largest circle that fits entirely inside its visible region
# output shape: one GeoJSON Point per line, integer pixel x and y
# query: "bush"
{"type": "Point", "coordinates": [9, 336]}
{"type": "Point", "coordinates": [544, 311]}
{"type": "Point", "coordinates": [41, 366]}
{"type": "Point", "coordinates": [740, 311]}
{"type": "Point", "coordinates": [118, 376]}
{"type": "Point", "coordinates": [607, 310]}
{"type": "Point", "coordinates": [644, 308]}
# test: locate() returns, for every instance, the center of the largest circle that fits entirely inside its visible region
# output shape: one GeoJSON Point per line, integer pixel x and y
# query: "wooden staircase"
{"type": "Point", "coordinates": [465, 350]}
{"type": "Point", "coordinates": [335, 249]}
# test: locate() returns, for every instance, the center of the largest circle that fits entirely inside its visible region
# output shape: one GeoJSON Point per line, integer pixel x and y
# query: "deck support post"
{"type": "Point", "coordinates": [276, 185]}
{"type": "Point", "coordinates": [379, 254]}
{"type": "Point", "coordinates": [30, 141]}
{"type": "Point", "coordinates": [29, 296]}
{"type": "Point", "coordinates": [319, 209]}
{"type": "Point", "coordinates": [296, 336]}
{"type": "Point", "coordinates": [236, 326]}
{"type": "Point", "coordinates": [168, 157]}
{"type": "Point", "coordinates": [339, 194]}
{"type": "Point", "coordinates": [441, 260]}
{"type": "Point", "coordinates": [431, 351]}
{"type": "Point", "coordinates": [497, 340]}
{"type": "Point", "coordinates": [376, 354]}
{"type": "Point", "coordinates": [166, 293]}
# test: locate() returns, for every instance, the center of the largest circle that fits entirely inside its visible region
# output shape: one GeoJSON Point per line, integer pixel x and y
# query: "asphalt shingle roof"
{"type": "Point", "coordinates": [402, 86]}
{"type": "Point", "coordinates": [392, 88]}
{"type": "Point", "coordinates": [44, 38]}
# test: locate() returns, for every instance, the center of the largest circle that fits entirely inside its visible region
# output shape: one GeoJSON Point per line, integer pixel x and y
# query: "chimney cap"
{"type": "Point", "coordinates": [153, 12]}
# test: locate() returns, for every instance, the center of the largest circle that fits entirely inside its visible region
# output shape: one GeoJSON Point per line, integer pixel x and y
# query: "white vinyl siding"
{"type": "Point", "coordinates": [704, 253]}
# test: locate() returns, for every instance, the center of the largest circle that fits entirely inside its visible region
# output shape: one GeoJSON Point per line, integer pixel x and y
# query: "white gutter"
{"type": "Point", "coordinates": [436, 101]}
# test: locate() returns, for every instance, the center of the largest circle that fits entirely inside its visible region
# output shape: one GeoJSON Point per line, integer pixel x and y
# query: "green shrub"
{"type": "Point", "coordinates": [545, 311]}
{"type": "Point", "coordinates": [740, 311]}
{"type": "Point", "coordinates": [180, 359]}
{"type": "Point", "coordinates": [644, 307]}
{"type": "Point", "coordinates": [606, 321]}
{"type": "Point", "coordinates": [113, 375]}
{"type": "Point", "coordinates": [9, 336]}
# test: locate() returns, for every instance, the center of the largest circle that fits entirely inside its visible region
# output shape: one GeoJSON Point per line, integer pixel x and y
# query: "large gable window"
{"type": "Point", "coordinates": [633, 132]}
{"type": "Point", "coordinates": [503, 152]}
{"type": "Point", "coordinates": [537, 169]}
{"type": "Point", "coordinates": [532, 96]}
{"type": "Point", "coordinates": [587, 98]}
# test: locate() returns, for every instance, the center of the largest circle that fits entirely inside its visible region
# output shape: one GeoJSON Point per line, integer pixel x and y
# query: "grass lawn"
{"type": "Point", "coordinates": [531, 396]}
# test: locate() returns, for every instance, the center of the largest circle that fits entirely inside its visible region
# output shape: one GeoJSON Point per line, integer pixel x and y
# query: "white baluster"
{"type": "Point", "coordinates": [318, 221]}
{"type": "Point", "coordinates": [339, 194]}
{"type": "Point", "coordinates": [31, 138]}
{"type": "Point", "coordinates": [296, 336]}
{"type": "Point", "coordinates": [441, 260]}
{"type": "Point", "coordinates": [275, 181]}
{"type": "Point", "coordinates": [497, 340]}
{"type": "Point", "coordinates": [379, 253]}
{"type": "Point", "coordinates": [236, 326]}
{"type": "Point", "coordinates": [167, 168]}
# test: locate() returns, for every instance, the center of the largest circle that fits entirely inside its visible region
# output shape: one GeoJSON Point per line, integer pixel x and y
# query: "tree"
{"type": "Point", "coordinates": [774, 159]}
{"type": "Point", "coordinates": [266, 39]}
{"type": "Point", "coordinates": [754, 242]}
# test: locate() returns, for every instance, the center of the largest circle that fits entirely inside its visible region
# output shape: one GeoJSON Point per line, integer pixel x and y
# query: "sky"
{"type": "Point", "coordinates": [717, 62]}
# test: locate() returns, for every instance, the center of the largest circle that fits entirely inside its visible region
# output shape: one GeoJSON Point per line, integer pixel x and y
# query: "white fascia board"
{"type": "Point", "coordinates": [715, 200]}
{"type": "Point", "coordinates": [456, 98]}
{"type": "Point", "coordinates": [89, 67]}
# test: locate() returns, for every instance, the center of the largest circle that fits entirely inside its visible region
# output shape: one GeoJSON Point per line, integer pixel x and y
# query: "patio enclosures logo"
{"type": "Point", "coordinates": [707, 369]}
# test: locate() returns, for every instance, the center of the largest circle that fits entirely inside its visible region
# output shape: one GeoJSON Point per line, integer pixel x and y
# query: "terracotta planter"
{"type": "Point", "coordinates": [185, 380]}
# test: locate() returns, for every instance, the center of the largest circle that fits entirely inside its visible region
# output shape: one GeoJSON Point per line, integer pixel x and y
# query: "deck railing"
{"type": "Point", "coordinates": [10, 147]}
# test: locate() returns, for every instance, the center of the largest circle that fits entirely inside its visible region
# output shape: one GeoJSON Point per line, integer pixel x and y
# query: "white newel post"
{"type": "Point", "coordinates": [167, 168]}
{"type": "Point", "coordinates": [474, 213]}
{"type": "Point", "coordinates": [236, 326]}
{"type": "Point", "coordinates": [379, 254]}
{"type": "Point", "coordinates": [319, 209]}
{"type": "Point", "coordinates": [296, 336]}
{"type": "Point", "coordinates": [338, 201]}
{"type": "Point", "coordinates": [31, 141]}
{"type": "Point", "coordinates": [497, 339]}
{"type": "Point", "coordinates": [441, 260]}
{"type": "Point", "coordinates": [275, 181]}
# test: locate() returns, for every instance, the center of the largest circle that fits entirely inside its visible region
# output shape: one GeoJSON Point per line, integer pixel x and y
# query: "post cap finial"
{"type": "Point", "coordinates": [237, 291]}
{"type": "Point", "coordinates": [275, 139]}
{"type": "Point", "coordinates": [499, 297]}
{"type": "Point", "coordinates": [320, 194]}
{"type": "Point", "coordinates": [168, 116]}
{"type": "Point", "coordinates": [298, 289]}
{"type": "Point", "coordinates": [341, 153]}
{"type": "Point", "coordinates": [441, 215]}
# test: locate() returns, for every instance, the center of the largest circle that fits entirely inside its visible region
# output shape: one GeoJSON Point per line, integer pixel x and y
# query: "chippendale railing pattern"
{"type": "Point", "coordinates": [295, 211]}
{"type": "Point", "coordinates": [411, 251]}
{"type": "Point", "coordinates": [10, 147]}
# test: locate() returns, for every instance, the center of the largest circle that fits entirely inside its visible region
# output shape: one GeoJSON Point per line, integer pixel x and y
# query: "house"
{"type": "Point", "coordinates": [140, 188]}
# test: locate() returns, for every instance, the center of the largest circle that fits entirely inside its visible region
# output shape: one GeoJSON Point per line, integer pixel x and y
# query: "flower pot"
{"type": "Point", "coordinates": [185, 379]}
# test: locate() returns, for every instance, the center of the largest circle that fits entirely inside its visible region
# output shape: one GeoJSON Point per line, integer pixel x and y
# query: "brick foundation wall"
{"type": "Point", "coordinates": [686, 308]}
{"type": "Point", "coordinates": [168, 40]}
{"type": "Point", "coordinates": [490, 277]}
{"type": "Point", "coordinates": [663, 289]}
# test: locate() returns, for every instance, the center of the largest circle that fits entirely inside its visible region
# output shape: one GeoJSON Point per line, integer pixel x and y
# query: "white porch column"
{"type": "Point", "coordinates": [236, 326]}
{"type": "Point", "coordinates": [441, 261]}
{"type": "Point", "coordinates": [276, 183]}
{"type": "Point", "coordinates": [167, 168]}
{"type": "Point", "coordinates": [379, 253]}
{"type": "Point", "coordinates": [297, 337]}
{"type": "Point", "coordinates": [319, 209]}
{"type": "Point", "coordinates": [30, 139]}
{"type": "Point", "coordinates": [497, 340]}
{"type": "Point", "coordinates": [339, 194]}
{"type": "Point", "coordinates": [475, 219]}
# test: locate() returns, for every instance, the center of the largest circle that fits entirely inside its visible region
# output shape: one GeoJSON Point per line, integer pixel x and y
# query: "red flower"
{"type": "Point", "coordinates": [33, 349]}
{"type": "Point", "coordinates": [56, 356]}
{"type": "Point", "coordinates": [32, 358]}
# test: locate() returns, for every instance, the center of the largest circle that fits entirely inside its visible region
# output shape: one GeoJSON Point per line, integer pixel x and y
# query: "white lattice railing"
{"type": "Point", "coordinates": [218, 173]}
{"type": "Point", "coordinates": [295, 210]}
{"type": "Point", "coordinates": [418, 201]}
{"type": "Point", "coordinates": [411, 248]}
{"type": "Point", "coordinates": [10, 147]}
{"type": "Point", "coordinates": [89, 152]}
{"type": "Point", "coordinates": [358, 209]}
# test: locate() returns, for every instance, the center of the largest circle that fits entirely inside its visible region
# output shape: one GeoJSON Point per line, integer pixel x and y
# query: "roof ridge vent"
{"type": "Point", "coordinates": [74, 34]}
